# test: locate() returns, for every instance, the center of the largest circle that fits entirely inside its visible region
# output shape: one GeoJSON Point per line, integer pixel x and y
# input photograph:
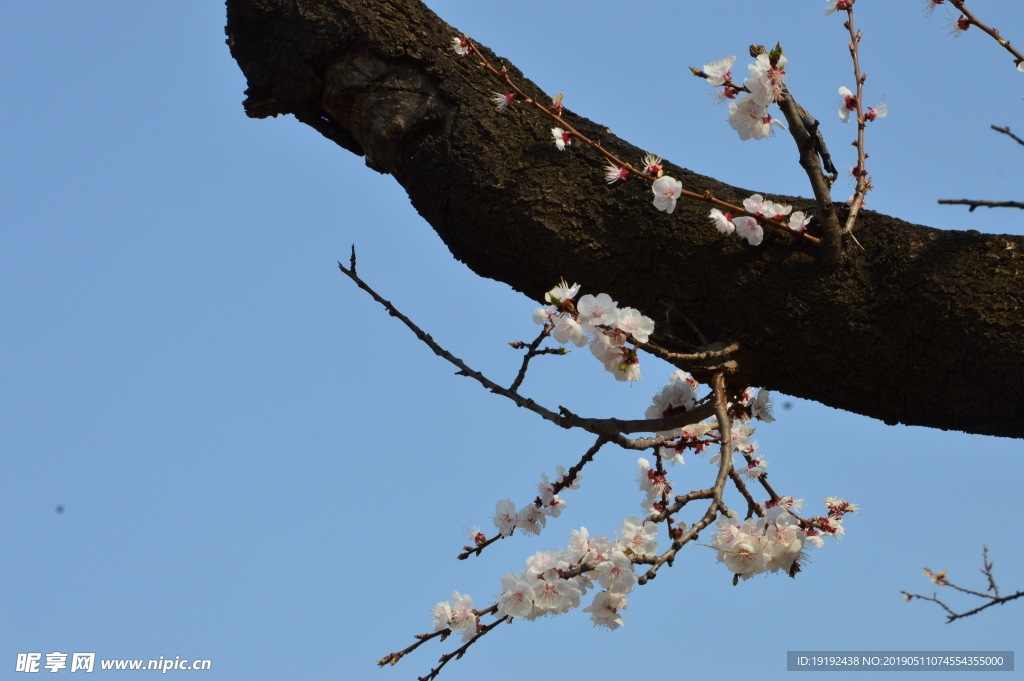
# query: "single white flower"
{"type": "Point", "coordinates": [542, 315]}
{"type": "Point", "coordinates": [554, 507]}
{"type": "Point", "coordinates": [753, 470]}
{"type": "Point", "coordinates": [442, 613]}
{"type": "Point", "coordinates": [750, 119]}
{"type": "Point", "coordinates": [461, 46]}
{"type": "Point", "coordinates": [798, 221]}
{"type": "Point", "coordinates": [553, 592]}
{"type": "Point", "coordinates": [638, 536]}
{"type": "Point", "coordinates": [697, 430]}
{"type": "Point", "coordinates": [562, 138]}
{"type": "Point", "coordinates": [505, 517]}
{"type": "Point", "coordinates": [848, 104]}
{"type": "Point", "coordinates": [723, 221]}
{"type": "Point", "coordinates": [748, 228]}
{"type": "Point", "coordinates": [568, 329]}
{"type": "Point", "coordinates": [837, 4]}
{"type": "Point", "coordinates": [760, 405]}
{"type": "Point", "coordinates": [614, 173]}
{"type": "Point", "coordinates": [503, 100]}
{"type": "Point", "coordinates": [718, 71]}
{"type": "Point", "coordinates": [777, 211]}
{"type": "Point", "coordinates": [463, 616]}
{"type": "Point", "coordinates": [579, 544]}
{"type": "Point", "coordinates": [757, 205]}
{"type": "Point", "coordinates": [616, 574]}
{"type": "Point", "coordinates": [604, 610]}
{"type": "Point", "coordinates": [517, 596]}
{"type": "Point", "coordinates": [561, 293]}
{"type": "Point", "coordinates": [531, 518]}
{"type": "Point", "coordinates": [880, 111]}
{"type": "Point", "coordinates": [635, 324]}
{"type": "Point", "coordinates": [741, 549]}
{"type": "Point", "coordinates": [600, 548]}
{"type": "Point", "coordinates": [667, 191]}
{"type": "Point", "coordinates": [597, 310]}
{"type": "Point", "coordinates": [652, 164]}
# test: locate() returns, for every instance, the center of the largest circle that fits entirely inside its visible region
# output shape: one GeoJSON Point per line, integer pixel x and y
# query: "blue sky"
{"type": "Point", "coordinates": [259, 467]}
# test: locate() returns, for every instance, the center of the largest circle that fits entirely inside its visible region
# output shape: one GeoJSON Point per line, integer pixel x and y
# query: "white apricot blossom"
{"type": "Point", "coordinates": [667, 191]}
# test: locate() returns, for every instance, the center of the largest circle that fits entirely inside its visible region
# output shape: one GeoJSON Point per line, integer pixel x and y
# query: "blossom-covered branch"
{"type": "Point", "coordinates": [853, 103]}
{"type": "Point", "coordinates": [750, 118]}
{"type": "Point", "coordinates": [667, 190]}
{"type": "Point", "coordinates": [553, 582]}
{"type": "Point", "coordinates": [941, 578]}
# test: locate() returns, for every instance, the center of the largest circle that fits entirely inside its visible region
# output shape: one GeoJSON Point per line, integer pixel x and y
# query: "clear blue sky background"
{"type": "Point", "coordinates": [260, 467]}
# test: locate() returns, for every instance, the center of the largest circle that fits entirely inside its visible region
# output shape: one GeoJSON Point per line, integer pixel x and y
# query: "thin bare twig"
{"type": "Point", "coordinates": [563, 419]}
{"type": "Point", "coordinates": [973, 203]}
{"type": "Point", "coordinates": [940, 578]}
{"type": "Point", "coordinates": [530, 354]}
{"type": "Point", "coordinates": [1006, 131]}
{"type": "Point", "coordinates": [981, 204]}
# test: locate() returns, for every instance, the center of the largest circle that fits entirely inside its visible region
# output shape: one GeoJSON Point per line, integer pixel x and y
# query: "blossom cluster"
{"type": "Point", "coordinates": [599, 321]}
{"type": "Point", "coordinates": [457, 615]}
{"type": "Point", "coordinates": [747, 227]}
{"type": "Point", "coordinates": [533, 517]}
{"type": "Point", "coordinates": [748, 115]}
{"type": "Point", "coordinates": [769, 543]}
{"type": "Point", "coordinates": [542, 589]}
{"type": "Point", "coordinates": [543, 586]}
{"type": "Point", "coordinates": [776, 540]}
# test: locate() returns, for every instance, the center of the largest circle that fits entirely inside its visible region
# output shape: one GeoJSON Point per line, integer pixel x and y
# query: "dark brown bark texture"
{"type": "Point", "coordinates": [924, 327]}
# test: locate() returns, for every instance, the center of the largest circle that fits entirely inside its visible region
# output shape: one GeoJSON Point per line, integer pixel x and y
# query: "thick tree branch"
{"type": "Point", "coordinates": [924, 327]}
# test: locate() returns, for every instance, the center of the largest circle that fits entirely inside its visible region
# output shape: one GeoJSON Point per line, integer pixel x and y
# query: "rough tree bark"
{"type": "Point", "coordinates": [924, 327]}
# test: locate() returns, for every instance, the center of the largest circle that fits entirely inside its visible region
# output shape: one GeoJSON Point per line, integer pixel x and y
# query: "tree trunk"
{"type": "Point", "coordinates": [924, 327]}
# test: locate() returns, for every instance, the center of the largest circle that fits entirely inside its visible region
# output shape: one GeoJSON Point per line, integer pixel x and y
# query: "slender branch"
{"type": "Point", "coordinates": [1006, 131]}
{"type": "Point", "coordinates": [460, 651]}
{"type": "Point", "coordinates": [860, 172]}
{"type": "Point", "coordinates": [565, 418]}
{"type": "Point", "coordinates": [1018, 57]}
{"type": "Point", "coordinates": [721, 402]}
{"type": "Point", "coordinates": [940, 578]}
{"type": "Point", "coordinates": [393, 658]}
{"type": "Point", "coordinates": [661, 352]}
{"type": "Point", "coordinates": [753, 508]}
{"type": "Point", "coordinates": [982, 204]}
{"type": "Point", "coordinates": [530, 354]}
